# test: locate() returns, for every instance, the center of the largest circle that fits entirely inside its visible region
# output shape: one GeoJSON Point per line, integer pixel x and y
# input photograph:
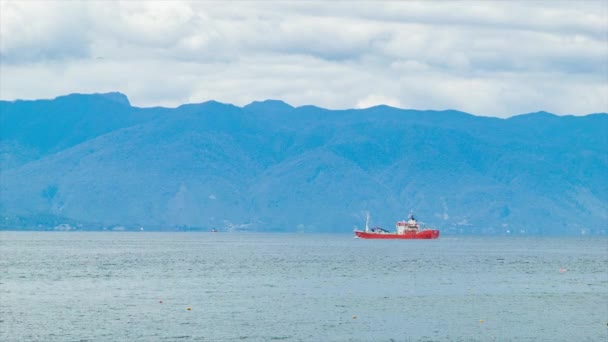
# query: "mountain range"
{"type": "Point", "coordinates": [94, 161]}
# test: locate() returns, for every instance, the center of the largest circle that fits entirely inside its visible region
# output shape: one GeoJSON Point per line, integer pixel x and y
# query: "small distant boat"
{"type": "Point", "coordinates": [407, 230]}
{"type": "Point", "coordinates": [213, 230]}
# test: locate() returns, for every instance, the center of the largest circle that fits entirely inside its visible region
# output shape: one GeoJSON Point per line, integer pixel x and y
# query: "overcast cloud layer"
{"type": "Point", "coordinates": [488, 58]}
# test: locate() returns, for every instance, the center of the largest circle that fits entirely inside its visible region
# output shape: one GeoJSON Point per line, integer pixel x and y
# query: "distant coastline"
{"type": "Point", "coordinates": [81, 162]}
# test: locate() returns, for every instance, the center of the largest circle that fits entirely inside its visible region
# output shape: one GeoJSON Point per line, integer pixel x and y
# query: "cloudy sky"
{"type": "Point", "coordinates": [488, 58]}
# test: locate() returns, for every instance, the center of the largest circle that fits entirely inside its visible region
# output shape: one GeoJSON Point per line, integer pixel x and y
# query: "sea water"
{"type": "Point", "coordinates": [81, 286]}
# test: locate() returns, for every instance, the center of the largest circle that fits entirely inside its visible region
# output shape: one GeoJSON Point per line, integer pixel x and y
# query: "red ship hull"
{"type": "Point", "coordinates": [422, 234]}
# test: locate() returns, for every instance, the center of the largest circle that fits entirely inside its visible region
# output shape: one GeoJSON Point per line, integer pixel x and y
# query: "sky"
{"type": "Point", "coordinates": [487, 58]}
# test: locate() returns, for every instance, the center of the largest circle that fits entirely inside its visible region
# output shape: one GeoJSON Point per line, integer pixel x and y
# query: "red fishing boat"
{"type": "Point", "coordinates": [409, 229]}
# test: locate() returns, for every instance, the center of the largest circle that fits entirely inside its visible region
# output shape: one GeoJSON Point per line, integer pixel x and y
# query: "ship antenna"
{"type": "Point", "coordinates": [367, 221]}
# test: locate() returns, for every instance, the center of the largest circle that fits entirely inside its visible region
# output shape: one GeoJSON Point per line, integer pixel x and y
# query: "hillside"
{"type": "Point", "coordinates": [95, 162]}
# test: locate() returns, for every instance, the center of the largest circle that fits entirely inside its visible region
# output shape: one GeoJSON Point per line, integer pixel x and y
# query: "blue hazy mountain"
{"type": "Point", "coordinates": [95, 161]}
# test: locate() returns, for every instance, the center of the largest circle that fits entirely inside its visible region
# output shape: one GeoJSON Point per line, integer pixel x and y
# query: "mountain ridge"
{"type": "Point", "coordinates": [119, 97]}
{"type": "Point", "coordinates": [94, 161]}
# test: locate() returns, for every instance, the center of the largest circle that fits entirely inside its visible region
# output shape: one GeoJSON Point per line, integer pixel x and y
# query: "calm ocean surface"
{"type": "Point", "coordinates": [57, 286]}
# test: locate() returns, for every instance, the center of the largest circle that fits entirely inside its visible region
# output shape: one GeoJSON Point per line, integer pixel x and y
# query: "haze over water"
{"type": "Point", "coordinates": [299, 287]}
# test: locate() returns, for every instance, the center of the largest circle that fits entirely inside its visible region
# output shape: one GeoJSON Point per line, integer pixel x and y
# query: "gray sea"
{"type": "Point", "coordinates": [84, 286]}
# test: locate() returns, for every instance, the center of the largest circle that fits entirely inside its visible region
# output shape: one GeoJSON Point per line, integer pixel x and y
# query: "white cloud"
{"type": "Point", "coordinates": [35, 31]}
{"type": "Point", "coordinates": [375, 100]}
{"type": "Point", "coordinates": [491, 58]}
